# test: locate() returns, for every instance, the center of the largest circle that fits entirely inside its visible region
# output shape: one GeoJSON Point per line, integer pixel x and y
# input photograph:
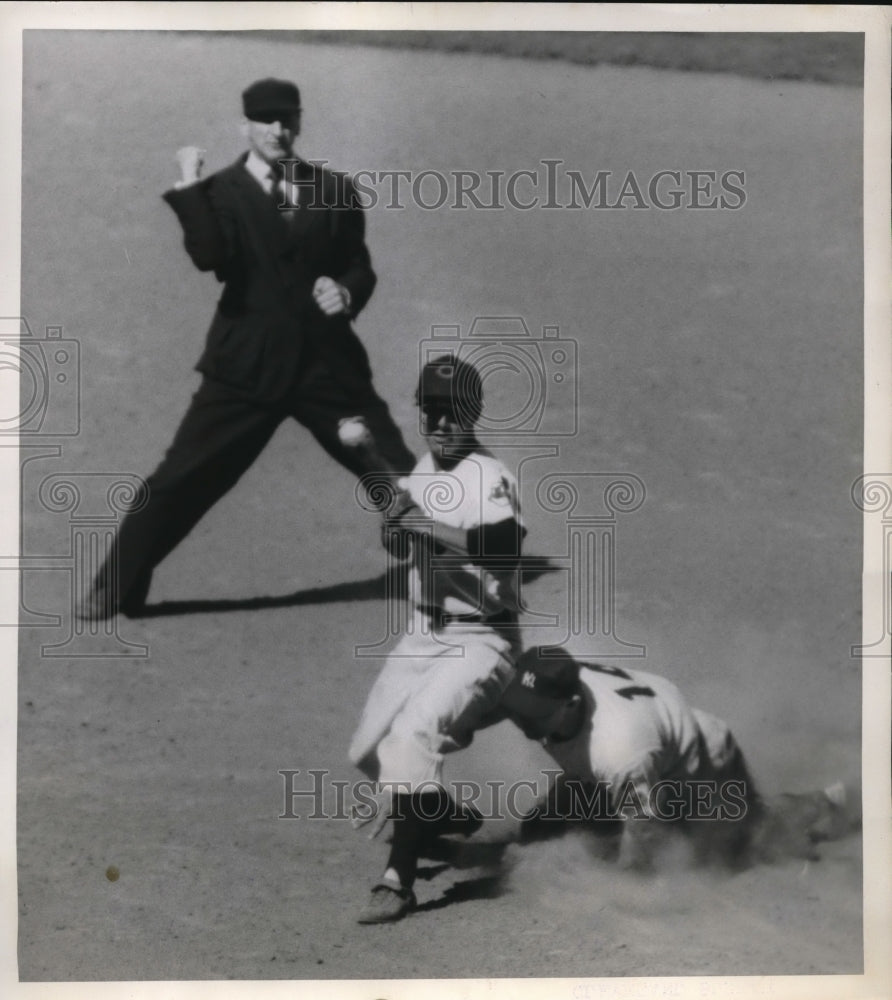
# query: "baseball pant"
{"type": "Point", "coordinates": [220, 436]}
{"type": "Point", "coordinates": [432, 694]}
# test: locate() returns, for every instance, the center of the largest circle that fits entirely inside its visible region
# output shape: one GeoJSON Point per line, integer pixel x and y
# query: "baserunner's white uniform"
{"type": "Point", "coordinates": [640, 730]}
{"type": "Point", "coordinates": [450, 668]}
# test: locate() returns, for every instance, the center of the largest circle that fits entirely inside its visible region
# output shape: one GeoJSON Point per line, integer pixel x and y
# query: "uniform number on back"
{"type": "Point", "coordinates": [625, 692]}
{"type": "Point", "coordinates": [629, 692]}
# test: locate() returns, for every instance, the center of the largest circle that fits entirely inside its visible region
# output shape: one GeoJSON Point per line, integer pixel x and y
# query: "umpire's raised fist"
{"type": "Point", "coordinates": [191, 160]}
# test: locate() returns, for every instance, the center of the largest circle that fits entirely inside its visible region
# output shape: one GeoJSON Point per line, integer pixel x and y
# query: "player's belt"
{"type": "Point", "coordinates": [440, 618]}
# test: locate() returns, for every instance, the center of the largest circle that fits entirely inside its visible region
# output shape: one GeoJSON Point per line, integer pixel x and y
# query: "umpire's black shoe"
{"type": "Point", "coordinates": [97, 605]}
{"type": "Point", "coordinates": [101, 603]}
{"type": "Point", "coordinates": [386, 904]}
{"type": "Point", "coordinates": [133, 604]}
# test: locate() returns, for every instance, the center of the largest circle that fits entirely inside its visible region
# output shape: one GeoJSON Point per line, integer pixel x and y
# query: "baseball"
{"type": "Point", "coordinates": [353, 432]}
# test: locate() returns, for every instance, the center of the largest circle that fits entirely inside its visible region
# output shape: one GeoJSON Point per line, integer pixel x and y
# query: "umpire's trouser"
{"type": "Point", "coordinates": [220, 436]}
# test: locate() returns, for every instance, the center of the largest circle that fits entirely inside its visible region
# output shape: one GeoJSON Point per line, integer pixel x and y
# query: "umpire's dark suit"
{"type": "Point", "coordinates": [270, 353]}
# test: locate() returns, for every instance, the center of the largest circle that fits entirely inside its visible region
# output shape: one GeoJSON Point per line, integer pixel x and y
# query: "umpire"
{"type": "Point", "coordinates": [287, 240]}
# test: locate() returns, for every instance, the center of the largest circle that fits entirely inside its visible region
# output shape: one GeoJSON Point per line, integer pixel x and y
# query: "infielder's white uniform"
{"type": "Point", "coordinates": [640, 730]}
{"type": "Point", "coordinates": [456, 658]}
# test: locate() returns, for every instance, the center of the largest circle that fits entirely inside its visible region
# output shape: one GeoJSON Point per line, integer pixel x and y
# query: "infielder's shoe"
{"type": "Point", "coordinates": [386, 904]}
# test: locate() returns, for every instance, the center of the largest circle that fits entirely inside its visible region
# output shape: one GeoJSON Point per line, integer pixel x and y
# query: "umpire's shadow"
{"type": "Point", "coordinates": [390, 584]}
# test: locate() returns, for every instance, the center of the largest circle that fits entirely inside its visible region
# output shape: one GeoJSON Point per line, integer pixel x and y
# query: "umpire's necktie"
{"type": "Point", "coordinates": [279, 186]}
{"type": "Point", "coordinates": [275, 191]}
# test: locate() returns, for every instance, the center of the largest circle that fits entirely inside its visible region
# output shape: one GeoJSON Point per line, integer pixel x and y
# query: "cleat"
{"type": "Point", "coordinates": [836, 793]}
{"type": "Point", "coordinates": [386, 904]}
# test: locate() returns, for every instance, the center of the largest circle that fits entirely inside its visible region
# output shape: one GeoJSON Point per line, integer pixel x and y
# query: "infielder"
{"type": "Point", "coordinates": [634, 753]}
{"type": "Point", "coordinates": [450, 668]}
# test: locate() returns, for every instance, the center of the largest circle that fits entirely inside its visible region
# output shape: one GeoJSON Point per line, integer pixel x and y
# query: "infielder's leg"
{"type": "Point", "coordinates": [439, 717]}
{"type": "Point", "coordinates": [443, 712]}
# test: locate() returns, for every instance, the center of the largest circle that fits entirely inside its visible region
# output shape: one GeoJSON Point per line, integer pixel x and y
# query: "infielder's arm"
{"type": "Point", "coordinates": [407, 518]}
{"type": "Point", "coordinates": [500, 540]}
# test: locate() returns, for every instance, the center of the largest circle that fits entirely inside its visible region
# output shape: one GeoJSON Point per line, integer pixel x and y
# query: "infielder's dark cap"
{"type": "Point", "coordinates": [270, 97]}
{"type": "Point", "coordinates": [541, 683]}
{"type": "Point", "coordinates": [449, 379]}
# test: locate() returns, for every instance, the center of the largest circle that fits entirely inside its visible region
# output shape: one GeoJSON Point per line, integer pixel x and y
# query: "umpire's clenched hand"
{"type": "Point", "coordinates": [333, 299]}
{"type": "Point", "coordinates": [191, 160]}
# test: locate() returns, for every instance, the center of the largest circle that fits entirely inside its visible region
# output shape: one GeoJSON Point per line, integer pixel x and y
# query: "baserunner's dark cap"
{"type": "Point", "coordinates": [541, 682]}
{"type": "Point", "coordinates": [270, 97]}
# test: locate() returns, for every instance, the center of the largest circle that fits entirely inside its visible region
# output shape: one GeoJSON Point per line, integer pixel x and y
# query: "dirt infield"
{"type": "Point", "coordinates": [718, 360]}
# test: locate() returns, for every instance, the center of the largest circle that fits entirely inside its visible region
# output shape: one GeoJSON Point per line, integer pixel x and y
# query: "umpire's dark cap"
{"type": "Point", "coordinates": [449, 379]}
{"type": "Point", "coordinates": [541, 682]}
{"type": "Point", "coordinates": [270, 97]}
